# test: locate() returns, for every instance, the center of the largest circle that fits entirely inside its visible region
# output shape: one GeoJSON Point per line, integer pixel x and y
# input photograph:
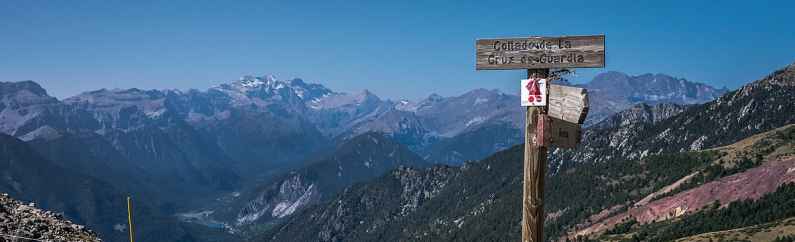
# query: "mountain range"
{"type": "Point", "coordinates": [265, 148]}
{"type": "Point", "coordinates": [611, 92]}
{"type": "Point", "coordinates": [360, 159]}
{"type": "Point", "coordinates": [649, 173]}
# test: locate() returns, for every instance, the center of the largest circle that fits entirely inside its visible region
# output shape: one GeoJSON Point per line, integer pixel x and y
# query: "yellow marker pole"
{"type": "Point", "coordinates": [130, 219]}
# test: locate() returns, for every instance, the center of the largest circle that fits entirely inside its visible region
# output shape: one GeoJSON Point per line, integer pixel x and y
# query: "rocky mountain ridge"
{"type": "Point", "coordinates": [359, 159]}
{"type": "Point", "coordinates": [20, 221]}
{"type": "Point", "coordinates": [615, 91]}
{"type": "Point", "coordinates": [361, 210]}
{"type": "Point", "coordinates": [479, 200]}
{"type": "Point", "coordinates": [323, 114]}
{"type": "Point", "coordinates": [179, 147]}
{"type": "Point", "coordinates": [761, 105]}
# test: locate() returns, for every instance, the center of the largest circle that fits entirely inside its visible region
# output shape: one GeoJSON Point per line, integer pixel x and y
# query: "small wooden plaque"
{"type": "Point", "coordinates": [568, 103]}
{"type": "Point", "coordinates": [563, 134]}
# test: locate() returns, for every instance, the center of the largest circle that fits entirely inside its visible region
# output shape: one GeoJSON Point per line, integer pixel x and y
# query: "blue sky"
{"type": "Point", "coordinates": [393, 48]}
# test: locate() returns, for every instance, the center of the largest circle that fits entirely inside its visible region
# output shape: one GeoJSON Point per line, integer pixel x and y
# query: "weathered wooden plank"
{"type": "Point", "coordinates": [568, 103]}
{"type": "Point", "coordinates": [535, 162]}
{"type": "Point", "coordinates": [564, 134]}
{"type": "Point", "coordinates": [540, 52]}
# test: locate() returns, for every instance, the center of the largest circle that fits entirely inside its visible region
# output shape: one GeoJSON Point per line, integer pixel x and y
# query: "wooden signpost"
{"type": "Point", "coordinates": [554, 112]}
{"type": "Point", "coordinates": [540, 52]}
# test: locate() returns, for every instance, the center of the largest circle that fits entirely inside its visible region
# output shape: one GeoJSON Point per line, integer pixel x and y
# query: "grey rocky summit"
{"type": "Point", "coordinates": [612, 91]}
{"type": "Point", "coordinates": [25, 222]}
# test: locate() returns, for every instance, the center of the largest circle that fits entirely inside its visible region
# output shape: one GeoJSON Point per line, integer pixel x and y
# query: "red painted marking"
{"type": "Point", "coordinates": [533, 90]}
{"type": "Point", "coordinates": [540, 141]}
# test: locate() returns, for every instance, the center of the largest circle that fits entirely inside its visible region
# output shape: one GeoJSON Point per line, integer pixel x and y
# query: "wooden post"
{"type": "Point", "coordinates": [130, 219]}
{"type": "Point", "coordinates": [537, 54]}
{"type": "Point", "coordinates": [535, 161]}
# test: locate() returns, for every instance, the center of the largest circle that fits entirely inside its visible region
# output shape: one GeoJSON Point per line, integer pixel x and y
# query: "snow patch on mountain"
{"type": "Point", "coordinates": [11, 120]}
{"type": "Point", "coordinates": [475, 120]}
{"type": "Point", "coordinates": [406, 105]}
{"type": "Point", "coordinates": [155, 113]}
{"type": "Point", "coordinates": [44, 132]}
{"type": "Point", "coordinates": [286, 208]}
{"type": "Point", "coordinates": [250, 217]}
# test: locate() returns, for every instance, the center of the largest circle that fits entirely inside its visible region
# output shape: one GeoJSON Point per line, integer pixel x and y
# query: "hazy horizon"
{"type": "Point", "coordinates": [394, 49]}
{"type": "Point", "coordinates": [572, 78]}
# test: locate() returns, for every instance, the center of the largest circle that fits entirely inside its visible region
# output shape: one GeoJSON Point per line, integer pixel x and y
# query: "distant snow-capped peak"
{"type": "Point", "coordinates": [406, 105]}
{"type": "Point", "coordinates": [250, 81]}
{"type": "Point", "coordinates": [269, 86]}
{"type": "Point", "coordinates": [254, 82]}
{"type": "Point", "coordinates": [338, 100]}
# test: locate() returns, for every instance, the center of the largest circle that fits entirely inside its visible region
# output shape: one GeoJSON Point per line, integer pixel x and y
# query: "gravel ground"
{"type": "Point", "coordinates": [24, 222]}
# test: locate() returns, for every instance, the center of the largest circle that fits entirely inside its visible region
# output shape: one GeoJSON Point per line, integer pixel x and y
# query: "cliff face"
{"type": "Point", "coordinates": [360, 159]}
{"type": "Point", "coordinates": [364, 211]}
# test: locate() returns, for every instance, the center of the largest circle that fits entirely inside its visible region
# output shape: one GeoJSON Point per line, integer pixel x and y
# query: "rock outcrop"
{"type": "Point", "coordinates": [28, 223]}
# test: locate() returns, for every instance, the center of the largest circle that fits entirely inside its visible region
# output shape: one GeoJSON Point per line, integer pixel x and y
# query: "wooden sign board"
{"type": "Point", "coordinates": [540, 52]}
{"type": "Point", "coordinates": [568, 103]}
{"type": "Point", "coordinates": [564, 134]}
